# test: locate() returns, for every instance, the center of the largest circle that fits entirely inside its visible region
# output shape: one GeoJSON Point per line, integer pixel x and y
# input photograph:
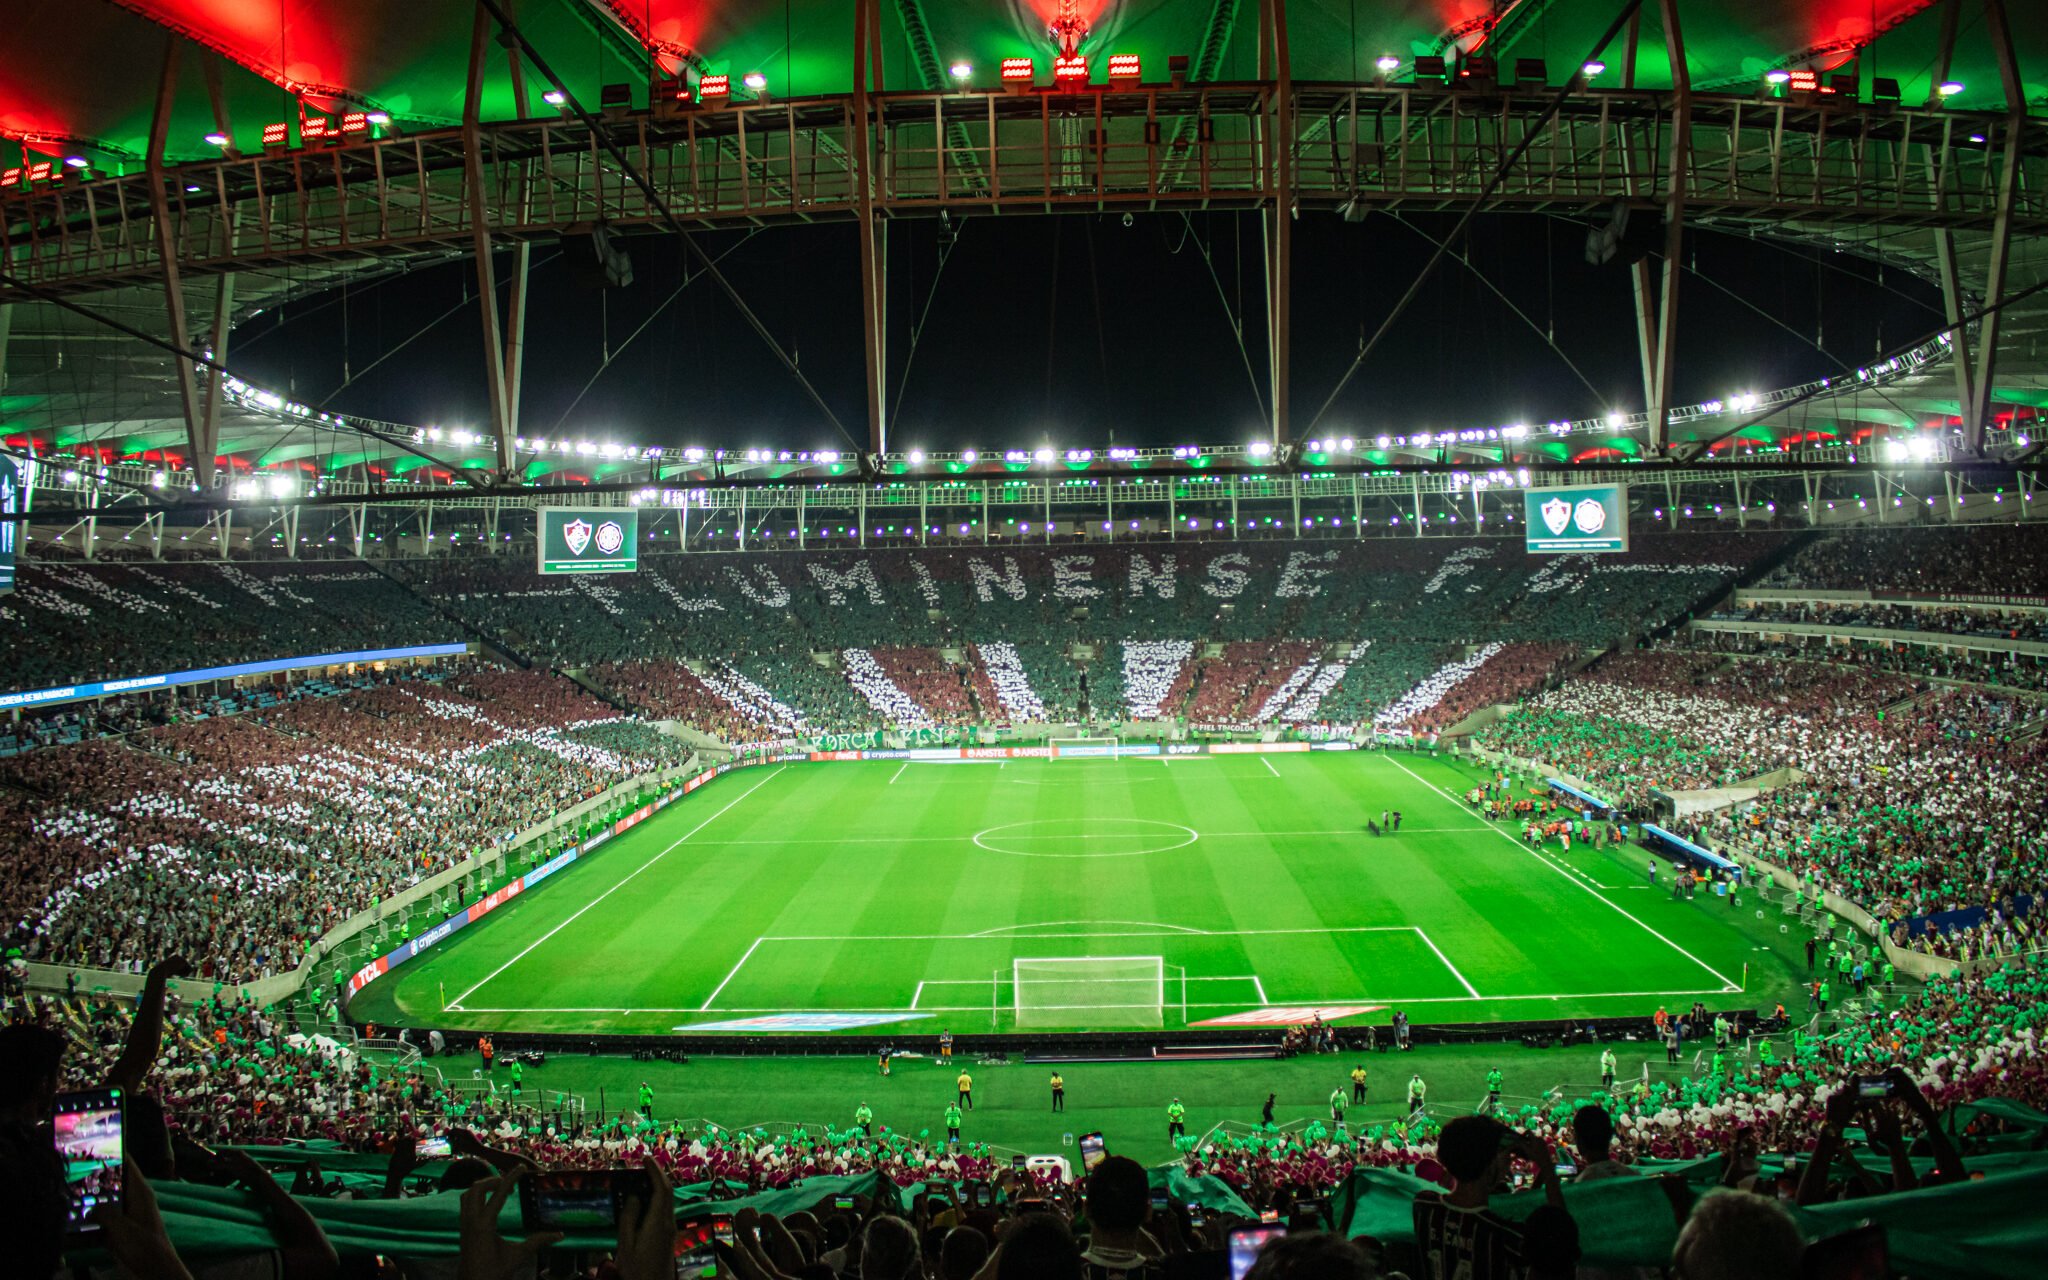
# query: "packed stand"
{"type": "Point", "coordinates": [75, 623]}
{"type": "Point", "coordinates": [1943, 560]}
{"type": "Point", "coordinates": [242, 839]}
{"type": "Point", "coordinates": [1775, 1124]}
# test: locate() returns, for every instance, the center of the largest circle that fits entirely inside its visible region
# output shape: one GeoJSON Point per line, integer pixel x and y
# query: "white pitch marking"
{"type": "Point", "coordinates": [983, 1008]}
{"type": "Point", "coordinates": [917, 995]}
{"type": "Point", "coordinates": [1260, 987]}
{"type": "Point", "coordinates": [1061, 924]}
{"type": "Point", "coordinates": [733, 973]}
{"type": "Point", "coordinates": [1353, 832]}
{"type": "Point", "coordinates": [899, 772]}
{"type": "Point", "coordinates": [1157, 932]}
{"type": "Point", "coordinates": [615, 888]}
{"type": "Point", "coordinates": [1728, 986]}
{"type": "Point", "coordinates": [1469, 988]}
{"type": "Point", "coordinates": [1269, 766]}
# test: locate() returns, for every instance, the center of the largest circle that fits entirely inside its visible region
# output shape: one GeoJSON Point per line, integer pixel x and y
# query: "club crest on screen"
{"type": "Point", "coordinates": [1591, 517]}
{"type": "Point", "coordinates": [577, 534]}
{"type": "Point", "coordinates": [1556, 514]}
{"type": "Point", "coordinates": [610, 537]}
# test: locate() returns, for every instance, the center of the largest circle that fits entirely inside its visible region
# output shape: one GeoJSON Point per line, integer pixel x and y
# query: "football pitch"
{"type": "Point", "coordinates": [1074, 895]}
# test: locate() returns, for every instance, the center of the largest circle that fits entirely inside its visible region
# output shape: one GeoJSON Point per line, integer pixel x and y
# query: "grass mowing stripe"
{"type": "Point", "coordinates": [621, 884]}
{"type": "Point", "coordinates": [1572, 879]}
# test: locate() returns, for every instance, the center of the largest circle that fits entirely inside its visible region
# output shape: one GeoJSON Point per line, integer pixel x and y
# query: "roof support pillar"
{"type": "Point", "coordinates": [198, 439]}
{"type": "Point", "coordinates": [496, 360]}
{"type": "Point", "coordinates": [872, 245]}
{"type": "Point", "coordinates": [1657, 323]}
{"type": "Point", "coordinates": [223, 322]}
{"type": "Point", "coordinates": [1977, 410]}
{"type": "Point", "coordinates": [1277, 121]}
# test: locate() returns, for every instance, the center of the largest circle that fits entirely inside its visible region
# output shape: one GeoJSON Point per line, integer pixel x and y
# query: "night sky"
{"type": "Point", "coordinates": [1078, 329]}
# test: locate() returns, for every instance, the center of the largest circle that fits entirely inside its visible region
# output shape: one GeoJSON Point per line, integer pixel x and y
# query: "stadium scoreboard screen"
{"type": "Point", "coordinates": [1592, 517]}
{"type": "Point", "coordinates": [589, 540]}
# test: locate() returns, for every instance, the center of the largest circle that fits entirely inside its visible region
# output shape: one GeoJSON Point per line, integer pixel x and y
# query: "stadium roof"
{"type": "Point", "coordinates": [79, 80]}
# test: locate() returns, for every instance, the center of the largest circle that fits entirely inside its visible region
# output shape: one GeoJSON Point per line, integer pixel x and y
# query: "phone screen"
{"type": "Point", "coordinates": [88, 1136]}
{"type": "Point", "coordinates": [1195, 1215]}
{"type": "Point", "coordinates": [1092, 1151]}
{"type": "Point", "coordinates": [1873, 1087]}
{"type": "Point", "coordinates": [1161, 1203]}
{"type": "Point", "coordinates": [433, 1149]}
{"type": "Point", "coordinates": [1245, 1243]}
{"type": "Point", "coordinates": [1269, 1215]}
{"type": "Point", "coordinates": [721, 1229]}
{"type": "Point", "coordinates": [695, 1257]}
{"type": "Point", "coordinates": [1565, 1169]}
{"type": "Point", "coordinates": [1017, 1163]}
{"type": "Point", "coordinates": [578, 1199]}
{"type": "Point", "coordinates": [842, 1203]}
{"type": "Point", "coordinates": [1309, 1215]}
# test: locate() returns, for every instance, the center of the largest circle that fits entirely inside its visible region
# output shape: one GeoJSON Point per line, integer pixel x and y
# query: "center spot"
{"type": "Point", "coordinates": [1086, 838]}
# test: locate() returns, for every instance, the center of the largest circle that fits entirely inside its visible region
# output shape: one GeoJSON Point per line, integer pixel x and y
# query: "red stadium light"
{"type": "Point", "coordinates": [355, 122]}
{"type": "Point", "coordinates": [313, 128]}
{"type": "Point", "coordinates": [38, 172]}
{"type": "Point", "coordinates": [276, 135]}
{"type": "Point", "coordinates": [1069, 68]}
{"type": "Point", "coordinates": [1123, 66]}
{"type": "Point", "coordinates": [9, 177]}
{"type": "Point", "coordinates": [709, 87]}
{"type": "Point", "coordinates": [1806, 81]}
{"type": "Point", "coordinates": [1017, 70]}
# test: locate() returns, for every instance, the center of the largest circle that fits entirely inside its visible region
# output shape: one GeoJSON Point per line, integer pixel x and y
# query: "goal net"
{"type": "Point", "coordinates": [1090, 991]}
{"type": "Point", "coordinates": [1083, 748]}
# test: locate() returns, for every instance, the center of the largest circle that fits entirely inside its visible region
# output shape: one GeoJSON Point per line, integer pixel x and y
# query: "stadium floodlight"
{"type": "Point", "coordinates": [755, 81]}
{"type": "Point", "coordinates": [1949, 88]}
{"type": "Point", "coordinates": [1593, 68]}
{"type": "Point", "coordinates": [1777, 75]}
{"type": "Point", "coordinates": [217, 139]}
{"type": "Point", "coordinates": [1388, 64]}
{"type": "Point", "coordinates": [961, 70]}
{"type": "Point", "coordinates": [916, 457]}
{"type": "Point", "coordinates": [1043, 455]}
{"type": "Point", "coordinates": [378, 117]}
{"type": "Point", "coordinates": [76, 162]}
{"type": "Point", "coordinates": [1260, 448]}
{"type": "Point", "coordinates": [554, 97]}
{"type": "Point", "coordinates": [969, 456]}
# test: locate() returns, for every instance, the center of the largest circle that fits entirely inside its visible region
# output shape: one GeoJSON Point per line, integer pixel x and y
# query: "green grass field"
{"type": "Point", "coordinates": [909, 889]}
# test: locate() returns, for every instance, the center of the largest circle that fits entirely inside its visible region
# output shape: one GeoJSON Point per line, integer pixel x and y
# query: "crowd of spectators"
{"type": "Point", "coordinates": [74, 623]}
{"type": "Point", "coordinates": [1986, 621]}
{"type": "Point", "coordinates": [241, 839]}
{"type": "Point", "coordinates": [1235, 687]}
{"type": "Point", "coordinates": [1909, 801]}
{"type": "Point", "coordinates": [1917, 661]}
{"type": "Point", "coordinates": [1783, 1118]}
{"type": "Point", "coordinates": [1931, 561]}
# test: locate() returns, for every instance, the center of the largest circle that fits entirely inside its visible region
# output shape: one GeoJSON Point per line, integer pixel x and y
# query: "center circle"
{"type": "Point", "coordinates": [1086, 838]}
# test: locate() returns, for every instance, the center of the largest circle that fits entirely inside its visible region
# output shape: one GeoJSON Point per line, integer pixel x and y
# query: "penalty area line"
{"type": "Point", "coordinates": [620, 885]}
{"type": "Point", "coordinates": [1573, 880]}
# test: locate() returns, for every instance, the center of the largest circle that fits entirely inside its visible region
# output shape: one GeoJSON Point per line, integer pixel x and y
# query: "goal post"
{"type": "Point", "coordinates": [1091, 991]}
{"type": "Point", "coordinates": [1084, 748]}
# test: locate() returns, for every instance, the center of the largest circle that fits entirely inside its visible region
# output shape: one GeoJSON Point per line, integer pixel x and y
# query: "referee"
{"type": "Point", "coordinates": [1059, 1091]}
